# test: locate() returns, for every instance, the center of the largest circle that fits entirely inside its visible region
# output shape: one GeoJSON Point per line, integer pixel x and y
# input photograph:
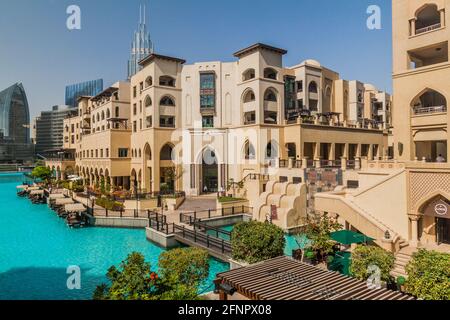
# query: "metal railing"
{"type": "Point", "coordinates": [433, 109]}
{"type": "Point", "coordinates": [428, 28]}
{"type": "Point", "coordinates": [205, 239]}
{"type": "Point", "coordinates": [192, 217]}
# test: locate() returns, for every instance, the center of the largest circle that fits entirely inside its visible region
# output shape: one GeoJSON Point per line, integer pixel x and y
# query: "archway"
{"type": "Point", "coordinates": [434, 222]}
{"type": "Point", "coordinates": [147, 178]}
{"type": "Point", "coordinates": [210, 171]}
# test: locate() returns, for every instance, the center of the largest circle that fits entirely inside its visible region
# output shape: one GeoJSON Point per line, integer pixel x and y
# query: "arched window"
{"type": "Point", "coordinates": [98, 117]}
{"type": "Point", "coordinates": [132, 153]}
{"type": "Point", "coordinates": [166, 152]}
{"type": "Point", "coordinates": [270, 73]}
{"type": "Point", "coordinates": [166, 81]}
{"type": "Point", "coordinates": [148, 101]}
{"type": "Point", "coordinates": [140, 153]}
{"type": "Point", "coordinates": [272, 150]}
{"type": "Point", "coordinates": [148, 82]}
{"type": "Point", "coordinates": [248, 74]}
{"type": "Point", "coordinates": [108, 114]}
{"type": "Point", "coordinates": [103, 115]}
{"type": "Point", "coordinates": [249, 151]}
{"type": "Point", "coordinates": [167, 101]}
{"type": "Point", "coordinates": [270, 96]}
{"type": "Point", "coordinates": [430, 101]}
{"type": "Point", "coordinates": [147, 152]}
{"type": "Point", "coordinates": [249, 96]}
{"type": "Point", "coordinates": [312, 88]}
{"type": "Point", "coordinates": [428, 18]}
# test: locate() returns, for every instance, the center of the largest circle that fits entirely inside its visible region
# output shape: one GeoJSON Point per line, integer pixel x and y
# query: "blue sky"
{"type": "Point", "coordinates": [38, 50]}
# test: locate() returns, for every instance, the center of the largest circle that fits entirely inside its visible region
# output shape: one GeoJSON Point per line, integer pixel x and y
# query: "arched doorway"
{"type": "Point", "coordinates": [210, 172]}
{"type": "Point", "coordinates": [434, 224]}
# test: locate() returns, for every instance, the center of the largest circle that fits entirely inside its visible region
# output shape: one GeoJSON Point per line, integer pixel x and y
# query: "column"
{"type": "Point", "coordinates": [332, 155]}
{"type": "Point", "coordinates": [370, 155]}
{"type": "Point", "coordinates": [442, 13]}
{"type": "Point", "coordinates": [414, 230]}
{"type": "Point", "coordinates": [413, 27]}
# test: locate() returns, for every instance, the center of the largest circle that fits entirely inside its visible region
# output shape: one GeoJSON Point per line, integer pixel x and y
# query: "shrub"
{"type": "Point", "coordinates": [188, 266]}
{"type": "Point", "coordinates": [429, 275]}
{"type": "Point", "coordinates": [318, 229]}
{"type": "Point", "coordinates": [178, 279]}
{"type": "Point", "coordinates": [229, 199]}
{"type": "Point", "coordinates": [364, 256]}
{"type": "Point", "coordinates": [255, 241]}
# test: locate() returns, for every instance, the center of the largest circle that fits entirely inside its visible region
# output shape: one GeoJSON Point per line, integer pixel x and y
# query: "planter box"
{"type": "Point", "coordinates": [230, 204]}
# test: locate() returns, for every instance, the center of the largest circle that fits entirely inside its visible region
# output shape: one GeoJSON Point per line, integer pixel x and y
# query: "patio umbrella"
{"type": "Point", "coordinates": [347, 237]}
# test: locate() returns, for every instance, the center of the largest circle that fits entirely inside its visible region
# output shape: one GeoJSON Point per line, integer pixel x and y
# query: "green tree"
{"type": "Point", "coordinates": [364, 256]}
{"type": "Point", "coordinates": [133, 280]}
{"type": "Point", "coordinates": [43, 173]}
{"type": "Point", "coordinates": [188, 266]}
{"type": "Point", "coordinates": [318, 229]}
{"type": "Point", "coordinates": [255, 241]}
{"type": "Point", "coordinates": [181, 272]}
{"type": "Point", "coordinates": [429, 275]}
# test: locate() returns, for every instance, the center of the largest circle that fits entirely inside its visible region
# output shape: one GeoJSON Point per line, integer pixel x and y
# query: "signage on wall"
{"type": "Point", "coordinates": [439, 208]}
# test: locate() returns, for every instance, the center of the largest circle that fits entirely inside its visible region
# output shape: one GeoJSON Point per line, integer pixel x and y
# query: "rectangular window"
{"type": "Point", "coordinates": [148, 122]}
{"type": "Point", "coordinates": [123, 152]}
{"type": "Point", "coordinates": [107, 152]}
{"type": "Point", "coordinates": [167, 122]}
{"type": "Point", "coordinates": [208, 122]}
{"type": "Point", "coordinates": [134, 109]}
{"type": "Point", "coordinates": [140, 124]}
{"type": "Point", "coordinates": [96, 153]}
{"type": "Point", "coordinates": [141, 86]}
{"type": "Point", "coordinates": [101, 153]}
{"type": "Point", "coordinates": [207, 90]}
{"type": "Point", "coordinates": [134, 92]}
{"type": "Point", "coordinates": [134, 126]}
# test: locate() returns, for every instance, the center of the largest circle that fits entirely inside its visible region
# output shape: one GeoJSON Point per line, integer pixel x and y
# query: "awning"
{"type": "Point", "coordinates": [76, 207]}
{"type": "Point", "coordinates": [36, 192]}
{"type": "Point", "coordinates": [60, 202]}
{"type": "Point", "coordinates": [56, 196]}
{"type": "Point", "coordinates": [284, 278]}
{"type": "Point", "coordinates": [348, 237]}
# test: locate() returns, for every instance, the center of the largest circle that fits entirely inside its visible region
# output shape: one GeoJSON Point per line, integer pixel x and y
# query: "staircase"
{"type": "Point", "coordinates": [290, 201]}
{"type": "Point", "coordinates": [402, 259]}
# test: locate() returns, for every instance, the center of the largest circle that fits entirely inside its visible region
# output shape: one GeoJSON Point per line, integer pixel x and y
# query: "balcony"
{"type": "Point", "coordinates": [428, 28]}
{"type": "Point", "coordinates": [429, 110]}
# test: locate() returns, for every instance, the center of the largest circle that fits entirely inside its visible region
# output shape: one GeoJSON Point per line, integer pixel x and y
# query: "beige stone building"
{"type": "Point", "coordinates": [404, 204]}
{"type": "Point", "coordinates": [245, 116]}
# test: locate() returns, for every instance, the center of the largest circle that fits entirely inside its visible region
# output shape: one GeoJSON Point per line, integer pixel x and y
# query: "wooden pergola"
{"type": "Point", "coordinates": [284, 278]}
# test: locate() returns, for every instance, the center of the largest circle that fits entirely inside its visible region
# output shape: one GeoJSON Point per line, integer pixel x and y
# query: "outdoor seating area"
{"type": "Point", "coordinates": [284, 278]}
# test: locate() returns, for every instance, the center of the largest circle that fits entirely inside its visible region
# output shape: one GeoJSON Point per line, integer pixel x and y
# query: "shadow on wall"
{"type": "Point", "coordinates": [45, 284]}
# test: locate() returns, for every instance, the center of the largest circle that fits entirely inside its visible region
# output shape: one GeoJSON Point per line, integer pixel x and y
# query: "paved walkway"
{"type": "Point", "coordinates": [191, 204]}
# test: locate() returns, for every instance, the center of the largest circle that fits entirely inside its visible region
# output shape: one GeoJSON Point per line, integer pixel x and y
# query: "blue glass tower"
{"type": "Point", "coordinates": [141, 45]}
{"type": "Point", "coordinates": [89, 88]}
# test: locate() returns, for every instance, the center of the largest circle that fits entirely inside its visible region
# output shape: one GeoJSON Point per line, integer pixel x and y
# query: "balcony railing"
{"type": "Point", "coordinates": [433, 109]}
{"type": "Point", "coordinates": [429, 28]}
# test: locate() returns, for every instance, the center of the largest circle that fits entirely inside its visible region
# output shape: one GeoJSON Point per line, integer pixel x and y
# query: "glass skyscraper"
{"type": "Point", "coordinates": [88, 88]}
{"type": "Point", "coordinates": [15, 125]}
{"type": "Point", "coordinates": [141, 45]}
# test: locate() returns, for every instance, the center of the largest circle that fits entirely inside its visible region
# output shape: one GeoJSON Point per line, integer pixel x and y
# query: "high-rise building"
{"type": "Point", "coordinates": [141, 46]}
{"type": "Point", "coordinates": [14, 125]}
{"type": "Point", "coordinates": [50, 128]}
{"type": "Point", "coordinates": [88, 88]}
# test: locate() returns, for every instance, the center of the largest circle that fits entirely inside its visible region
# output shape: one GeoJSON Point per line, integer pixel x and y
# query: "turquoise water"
{"type": "Point", "coordinates": [36, 247]}
{"type": "Point", "coordinates": [292, 242]}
